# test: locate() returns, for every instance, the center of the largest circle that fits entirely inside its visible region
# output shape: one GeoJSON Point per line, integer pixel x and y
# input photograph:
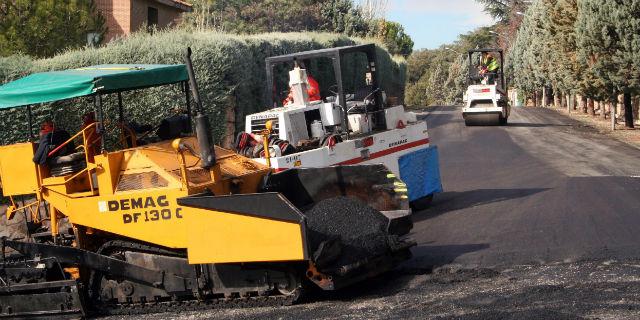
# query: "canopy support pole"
{"type": "Point", "coordinates": [100, 121]}
{"type": "Point", "coordinates": [188, 104]}
{"type": "Point", "coordinates": [120, 108]}
{"type": "Point", "coordinates": [30, 117]}
{"type": "Point", "coordinates": [337, 71]}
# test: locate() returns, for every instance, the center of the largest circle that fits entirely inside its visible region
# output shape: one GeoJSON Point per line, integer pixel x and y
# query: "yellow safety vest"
{"type": "Point", "coordinates": [492, 64]}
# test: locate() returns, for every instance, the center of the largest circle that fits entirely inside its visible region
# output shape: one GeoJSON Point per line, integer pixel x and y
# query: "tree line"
{"type": "Point", "coordinates": [439, 76]}
{"type": "Point", "coordinates": [582, 54]}
{"type": "Point", "coordinates": [579, 54]}
{"type": "Point", "coordinates": [44, 28]}
{"type": "Point", "coordinates": [363, 19]}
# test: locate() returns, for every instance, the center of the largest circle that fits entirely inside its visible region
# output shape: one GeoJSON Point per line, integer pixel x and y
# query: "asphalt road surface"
{"type": "Point", "coordinates": [539, 220]}
{"type": "Point", "coordinates": [542, 189]}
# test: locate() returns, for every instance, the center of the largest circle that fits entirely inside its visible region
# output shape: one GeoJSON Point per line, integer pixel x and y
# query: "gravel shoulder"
{"type": "Point", "coordinates": [603, 126]}
{"type": "Point", "coordinates": [580, 290]}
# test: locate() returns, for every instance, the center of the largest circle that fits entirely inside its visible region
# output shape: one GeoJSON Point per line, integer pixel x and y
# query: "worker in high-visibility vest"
{"type": "Point", "coordinates": [489, 67]}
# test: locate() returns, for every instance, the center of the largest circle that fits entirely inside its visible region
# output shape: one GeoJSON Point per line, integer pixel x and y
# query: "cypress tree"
{"type": "Point", "coordinates": [528, 57]}
{"type": "Point", "coordinates": [626, 19]}
{"type": "Point", "coordinates": [608, 37]}
{"type": "Point", "coordinates": [560, 21]}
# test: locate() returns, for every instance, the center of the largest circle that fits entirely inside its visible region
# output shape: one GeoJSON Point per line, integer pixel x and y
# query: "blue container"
{"type": "Point", "coordinates": [420, 171]}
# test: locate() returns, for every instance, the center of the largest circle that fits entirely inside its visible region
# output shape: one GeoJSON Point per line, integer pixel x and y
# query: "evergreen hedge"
{"type": "Point", "coordinates": [230, 72]}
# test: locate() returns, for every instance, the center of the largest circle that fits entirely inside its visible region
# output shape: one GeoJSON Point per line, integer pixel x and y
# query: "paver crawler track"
{"type": "Point", "coordinates": [241, 299]}
{"type": "Point", "coordinates": [27, 283]}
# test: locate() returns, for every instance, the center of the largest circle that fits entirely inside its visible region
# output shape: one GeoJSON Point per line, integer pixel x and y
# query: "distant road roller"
{"type": "Point", "coordinates": [486, 99]}
{"type": "Point", "coordinates": [163, 220]}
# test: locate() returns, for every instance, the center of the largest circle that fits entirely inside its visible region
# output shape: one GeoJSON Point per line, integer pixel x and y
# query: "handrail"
{"type": "Point", "coordinates": [134, 134]}
{"type": "Point", "coordinates": [11, 210]}
{"type": "Point", "coordinates": [81, 132]}
{"type": "Point", "coordinates": [85, 146]}
{"type": "Point", "coordinates": [123, 136]}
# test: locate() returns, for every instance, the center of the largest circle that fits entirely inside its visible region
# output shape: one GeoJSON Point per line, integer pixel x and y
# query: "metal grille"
{"type": "Point", "coordinates": [259, 125]}
{"type": "Point", "coordinates": [237, 167]}
{"type": "Point", "coordinates": [143, 180]}
{"type": "Point", "coordinates": [196, 176]}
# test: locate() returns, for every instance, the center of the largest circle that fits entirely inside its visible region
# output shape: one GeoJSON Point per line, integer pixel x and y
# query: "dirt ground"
{"type": "Point", "coordinates": [581, 290]}
{"type": "Point", "coordinates": [603, 126]}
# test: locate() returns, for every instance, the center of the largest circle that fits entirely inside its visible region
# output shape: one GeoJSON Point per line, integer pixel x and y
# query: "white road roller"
{"type": "Point", "coordinates": [486, 101]}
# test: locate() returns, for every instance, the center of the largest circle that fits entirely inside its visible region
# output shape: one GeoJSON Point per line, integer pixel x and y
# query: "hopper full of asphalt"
{"type": "Point", "coordinates": [355, 229]}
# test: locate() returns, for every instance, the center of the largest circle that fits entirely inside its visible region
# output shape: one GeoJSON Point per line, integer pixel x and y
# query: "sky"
{"type": "Point", "coordinates": [432, 23]}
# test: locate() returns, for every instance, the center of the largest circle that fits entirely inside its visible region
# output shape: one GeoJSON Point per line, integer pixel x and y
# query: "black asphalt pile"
{"type": "Point", "coordinates": [358, 230]}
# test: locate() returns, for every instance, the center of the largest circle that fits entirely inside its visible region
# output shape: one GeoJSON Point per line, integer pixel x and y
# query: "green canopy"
{"type": "Point", "coordinates": [108, 78]}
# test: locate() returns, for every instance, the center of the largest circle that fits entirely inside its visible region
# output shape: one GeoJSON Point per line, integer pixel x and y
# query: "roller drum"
{"type": "Point", "coordinates": [482, 119]}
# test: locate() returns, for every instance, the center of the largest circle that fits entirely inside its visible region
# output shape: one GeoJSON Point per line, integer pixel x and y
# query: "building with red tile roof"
{"type": "Point", "coordinates": [122, 17]}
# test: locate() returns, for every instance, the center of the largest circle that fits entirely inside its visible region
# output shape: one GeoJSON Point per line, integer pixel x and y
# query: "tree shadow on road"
{"type": "Point", "coordinates": [452, 201]}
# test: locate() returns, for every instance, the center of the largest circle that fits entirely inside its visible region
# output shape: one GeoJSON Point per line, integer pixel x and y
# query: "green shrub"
{"type": "Point", "coordinates": [230, 72]}
{"type": "Point", "coordinates": [13, 67]}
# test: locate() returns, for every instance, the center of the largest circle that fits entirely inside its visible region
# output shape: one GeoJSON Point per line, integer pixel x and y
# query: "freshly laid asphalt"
{"type": "Point", "coordinates": [539, 220]}
{"type": "Point", "coordinates": [543, 189]}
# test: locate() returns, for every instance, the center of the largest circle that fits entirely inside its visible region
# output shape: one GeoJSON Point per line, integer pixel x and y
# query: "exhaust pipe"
{"type": "Point", "coordinates": [203, 129]}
